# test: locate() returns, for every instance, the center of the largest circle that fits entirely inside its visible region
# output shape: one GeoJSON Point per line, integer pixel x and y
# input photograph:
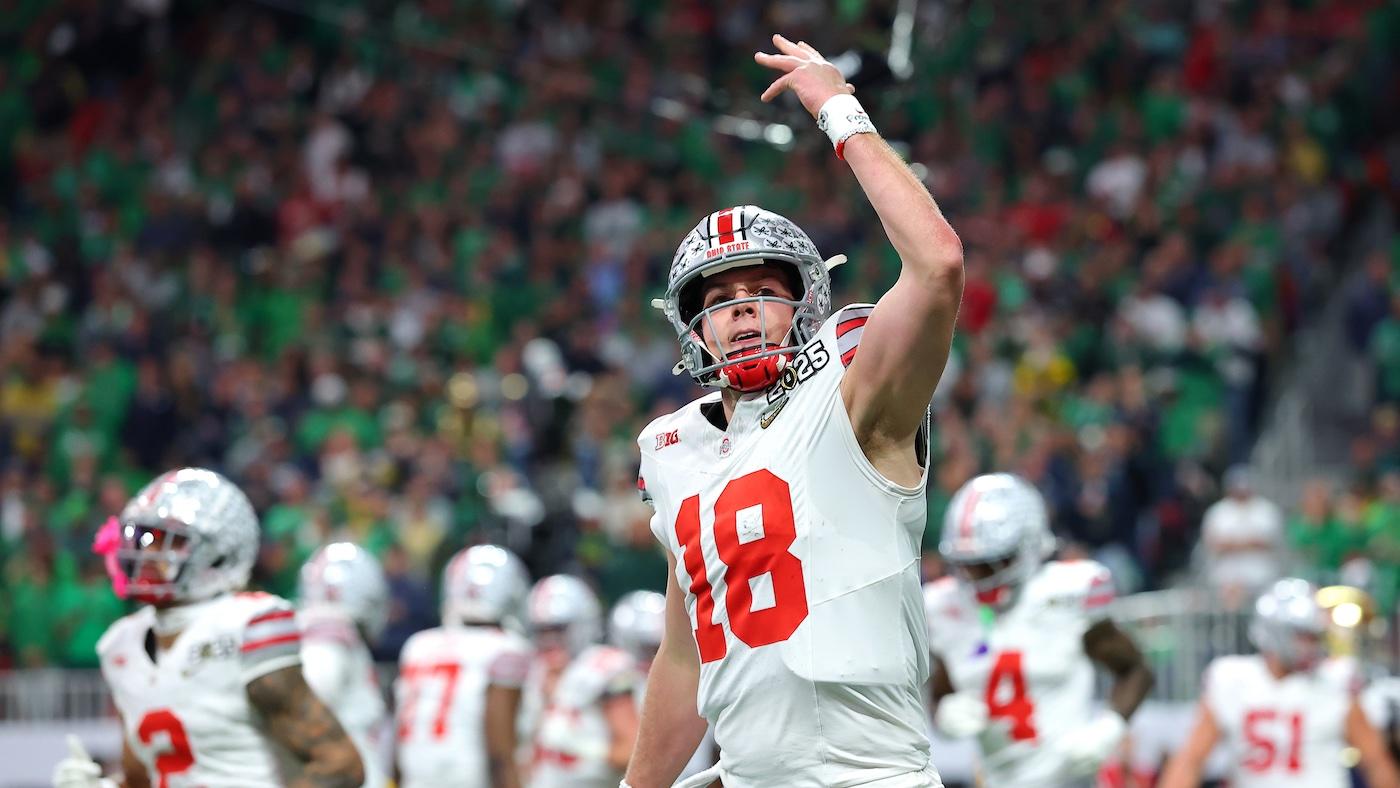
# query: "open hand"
{"type": "Point", "coordinates": [805, 72]}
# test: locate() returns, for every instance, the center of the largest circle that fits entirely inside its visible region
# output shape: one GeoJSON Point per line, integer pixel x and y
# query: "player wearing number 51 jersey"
{"type": "Point", "coordinates": [1286, 714]}
{"type": "Point", "coordinates": [1016, 639]}
{"type": "Point", "coordinates": [207, 681]}
{"type": "Point", "coordinates": [791, 500]}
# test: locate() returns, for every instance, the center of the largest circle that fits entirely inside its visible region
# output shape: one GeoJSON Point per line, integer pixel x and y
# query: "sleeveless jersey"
{"type": "Point", "coordinates": [799, 563]}
{"type": "Point", "coordinates": [573, 738]}
{"type": "Point", "coordinates": [1027, 662]}
{"type": "Point", "coordinates": [1282, 733]}
{"type": "Point", "coordinates": [339, 669]}
{"type": "Point", "coordinates": [440, 696]}
{"type": "Point", "coordinates": [186, 714]}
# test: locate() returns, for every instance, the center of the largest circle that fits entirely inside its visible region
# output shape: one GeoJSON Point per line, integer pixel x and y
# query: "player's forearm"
{"type": "Point", "coordinates": [915, 226]}
{"type": "Point", "coordinates": [670, 728]}
{"type": "Point", "coordinates": [502, 708]}
{"type": "Point", "coordinates": [1181, 773]}
{"type": "Point", "coordinates": [1130, 689]}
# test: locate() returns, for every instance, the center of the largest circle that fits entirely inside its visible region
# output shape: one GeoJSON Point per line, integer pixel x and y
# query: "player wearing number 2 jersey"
{"type": "Point", "coordinates": [1016, 639]}
{"type": "Point", "coordinates": [207, 680]}
{"type": "Point", "coordinates": [1286, 714]}
{"type": "Point", "coordinates": [791, 500]}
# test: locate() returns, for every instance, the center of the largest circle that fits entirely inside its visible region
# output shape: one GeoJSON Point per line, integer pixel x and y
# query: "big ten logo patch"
{"type": "Point", "coordinates": [664, 439]}
{"type": "Point", "coordinates": [800, 369]}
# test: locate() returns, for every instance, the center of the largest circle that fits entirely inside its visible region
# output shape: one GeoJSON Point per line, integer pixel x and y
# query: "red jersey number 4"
{"type": "Point", "coordinates": [753, 528]}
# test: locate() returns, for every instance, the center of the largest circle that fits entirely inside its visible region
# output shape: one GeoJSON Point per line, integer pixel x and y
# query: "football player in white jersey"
{"type": "Point", "coordinates": [588, 725]}
{"type": "Point", "coordinates": [343, 605]}
{"type": "Point", "coordinates": [459, 686]}
{"type": "Point", "coordinates": [636, 625]}
{"type": "Point", "coordinates": [791, 498]}
{"type": "Point", "coordinates": [1016, 639]}
{"type": "Point", "coordinates": [1286, 713]}
{"type": "Point", "coordinates": [207, 680]}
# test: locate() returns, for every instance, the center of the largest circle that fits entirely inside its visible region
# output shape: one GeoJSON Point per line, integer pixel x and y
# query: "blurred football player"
{"type": "Point", "coordinates": [636, 625]}
{"type": "Point", "coordinates": [588, 725]}
{"type": "Point", "coordinates": [343, 605]}
{"type": "Point", "coordinates": [1016, 639]}
{"type": "Point", "coordinates": [791, 498]}
{"type": "Point", "coordinates": [459, 685]}
{"type": "Point", "coordinates": [207, 680]}
{"type": "Point", "coordinates": [1286, 713]}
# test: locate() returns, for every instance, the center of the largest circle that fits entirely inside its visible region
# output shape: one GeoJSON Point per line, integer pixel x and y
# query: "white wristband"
{"type": "Point", "coordinates": [842, 117]}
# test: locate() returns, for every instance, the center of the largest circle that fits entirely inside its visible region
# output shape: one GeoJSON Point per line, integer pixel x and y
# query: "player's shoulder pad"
{"type": "Point", "coordinates": [1088, 583]}
{"type": "Point", "coordinates": [1230, 669]}
{"type": "Point", "coordinates": [844, 329]}
{"type": "Point", "coordinates": [660, 431]}
{"type": "Point", "coordinates": [945, 602]}
{"type": "Point", "coordinates": [122, 628]}
{"type": "Point", "coordinates": [1342, 673]}
{"type": "Point", "coordinates": [327, 628]}
{"type": "Point", "coordinates": [268, 625]}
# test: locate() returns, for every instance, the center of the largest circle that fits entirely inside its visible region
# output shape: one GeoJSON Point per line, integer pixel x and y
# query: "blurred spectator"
{"type": "Point", "coordinates": [1242, 536]}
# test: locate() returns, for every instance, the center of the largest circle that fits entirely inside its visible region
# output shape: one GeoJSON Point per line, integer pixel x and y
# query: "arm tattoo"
{"type": "Point", "coordinates": [324, 756]}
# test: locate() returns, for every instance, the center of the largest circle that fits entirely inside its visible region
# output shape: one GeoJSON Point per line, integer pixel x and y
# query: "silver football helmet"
{"type": "Point", "coordinates": [566, 603]}
{"type": "Point", "coordinates": [485, 584]}
{"type": "Point", "coordinates": [996, 533]}
{"type": "Point", "coordinates": [731, 238]}
{"type": "Point", "coordinates": [347, 577]}
{"type": "Point", "coordinates": [637, 622]}
{"type": "Point", "coordinates": [1289, 624]}
{"type": "Point", "coordinates": [187, 536]}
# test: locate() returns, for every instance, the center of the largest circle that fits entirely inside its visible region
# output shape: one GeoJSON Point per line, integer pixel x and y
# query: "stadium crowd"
{"type": "Point", "coordinates": [388, 265]}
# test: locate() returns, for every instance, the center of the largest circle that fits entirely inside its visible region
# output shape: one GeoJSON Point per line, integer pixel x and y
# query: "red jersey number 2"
{"type": "Point", "coordinates": [754, 527]}
{"type": "Point", "coordinates": [176, 757]}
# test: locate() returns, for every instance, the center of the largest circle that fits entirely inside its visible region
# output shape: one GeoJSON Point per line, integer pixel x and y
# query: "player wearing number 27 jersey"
{"type": "Point", "coordinates": [791, 501]}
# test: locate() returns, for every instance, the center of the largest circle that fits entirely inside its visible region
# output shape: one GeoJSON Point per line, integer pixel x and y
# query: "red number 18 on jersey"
{"type": "Point", "coordinates": [754, 527]}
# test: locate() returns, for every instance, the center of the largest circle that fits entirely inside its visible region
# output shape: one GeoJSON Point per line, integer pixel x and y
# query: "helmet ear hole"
{"type": "Point", "coordinates": [217, 562]}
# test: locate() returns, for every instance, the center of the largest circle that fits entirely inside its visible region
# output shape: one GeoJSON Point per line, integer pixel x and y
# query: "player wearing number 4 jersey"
{"type": "Point", "coordinates": [1286, 714]}
{"type": "Point", "coordinates": [1016, 640]}
{"type": "Point", "coordinates": [207, 680]}
{"type": "Point", "coordinates": [791, 500]}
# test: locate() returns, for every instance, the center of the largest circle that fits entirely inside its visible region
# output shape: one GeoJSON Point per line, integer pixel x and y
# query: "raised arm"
{"type": "Point", "coordinates": [908, 336]}
{"type": "Point", "coordinates": [670, 728]}
{"type": "Point", "coordinates": [1111, 647]}
{"type": "Point", "coordinates": [322, 753]}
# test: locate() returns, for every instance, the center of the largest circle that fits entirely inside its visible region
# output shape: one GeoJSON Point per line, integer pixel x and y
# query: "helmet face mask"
{"type": "Point", "coordinates": [564, 617]}
{"type": "Point", "coordinates": [188, 536]}
{"type": "Point", "coordinates": [152, 556]}
{"type": "Point", "coordinates": [996, 534]}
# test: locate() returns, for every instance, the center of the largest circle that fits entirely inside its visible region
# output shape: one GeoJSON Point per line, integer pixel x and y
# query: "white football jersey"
{"type": "Point", "coordinates": [440, 696]}
{"type": "Point", "coordinates": [186, 715]}
{"type": "Point", "coordinates": [573, 738]}
{"type": "Point", "coordinates": [1282, 733]}
{"type": "Point", "coordinates": [799, 564]}
{"type": "Point", "coordinates": [339, 669]}
{"type": "Point", "coordinates": [1027, 662]}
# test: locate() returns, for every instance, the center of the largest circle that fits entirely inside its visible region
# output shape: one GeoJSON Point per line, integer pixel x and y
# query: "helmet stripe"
{"type": "Point", "coordinates": [965, 522]}
{"type": "Point", "coordinates": [724, 225]}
